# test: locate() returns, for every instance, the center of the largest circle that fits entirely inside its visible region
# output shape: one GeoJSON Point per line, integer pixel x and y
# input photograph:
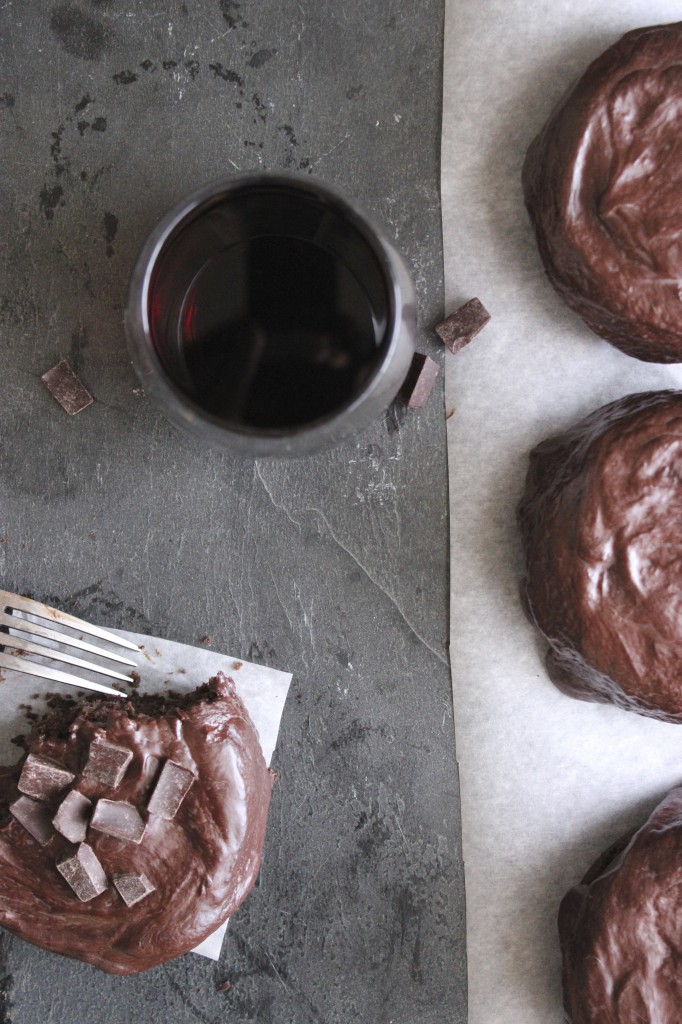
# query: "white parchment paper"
{"type": "Point", "coordinates": [163, 665]}
{"type": "Point", "coordinates": [547, 782]}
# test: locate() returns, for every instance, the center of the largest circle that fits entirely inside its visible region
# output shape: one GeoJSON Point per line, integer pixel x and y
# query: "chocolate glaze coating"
{"type": "Point", "coordinates": [202, 863]}
{"type": "Point", "coordinates": [601, 523]}
{"type": "Point", "coordinates": [603, 187]}
{"type": "Point", "coordinates": [620, 930]}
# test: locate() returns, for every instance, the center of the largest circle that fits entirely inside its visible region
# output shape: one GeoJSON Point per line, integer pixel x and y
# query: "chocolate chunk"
{"type": "Point", "coordinates": [458, 329]}
{"type": "Point", "coordinates": [35, 817]}
{"type": "Point", "coordinates": [419, 381]}
{"type": "Point", "coordinates": [107, 763]}
{"type": "Point", "coordinates": [83, 872]}
{"type": "Point", "coordinates": [119, 819]}
{"type": "Point", "coordinates": [73, 816]}
{"type": "Point", "coordinates": [133, 887]}
{"type": "Point", "coordinates": [43, 778]}
{"type": "Point", "coordinates": [170, 790]}
{"type": "Point", "coordinates": [65, 387]}
{"type": "Point", "coordinates": [150, 773]}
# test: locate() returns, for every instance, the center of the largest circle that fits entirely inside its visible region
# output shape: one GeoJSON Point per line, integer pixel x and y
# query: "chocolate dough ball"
{"type": "Point", "coordinates": [603, 187]}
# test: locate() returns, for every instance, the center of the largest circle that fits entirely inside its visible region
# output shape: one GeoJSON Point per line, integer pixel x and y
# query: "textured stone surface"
{"type": "Point", "coordinates": [334, 567]}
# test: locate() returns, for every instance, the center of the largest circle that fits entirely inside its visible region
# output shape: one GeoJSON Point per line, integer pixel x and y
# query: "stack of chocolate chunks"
{"type": "Point", "coordinates": [51, 802]}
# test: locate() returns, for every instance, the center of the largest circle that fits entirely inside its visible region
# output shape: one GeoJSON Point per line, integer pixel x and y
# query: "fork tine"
{"type": "Point", "coordinates": [11, 661]}
{"type": "Point", "coordinates": [43, 611]}
{"type": "Point", "coordinates": [22, 625]}
{"type": "Point", "coordinates": [55, 655]}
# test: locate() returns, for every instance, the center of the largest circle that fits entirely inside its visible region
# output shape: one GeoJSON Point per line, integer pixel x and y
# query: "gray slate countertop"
{"type": "Point", "coordinates": [334, 567]}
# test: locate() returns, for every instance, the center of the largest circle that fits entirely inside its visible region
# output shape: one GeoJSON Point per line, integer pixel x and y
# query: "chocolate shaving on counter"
{"type": "Point", "coordinates": [35, 817]}
{"type": "Point", "coordinates": [66, 388]}
{"type": "Point", "coordinates": [107, 763]}
{"type": "Point", "coordinates": [458, 329]}
{"type": "Point", "coordinates": [170, 790]}
{"type": "Point", "coordinates": [419, 381]}
{"type": "Point", "coordinates": [73, 815]}
{"type": "Point", "coordinates": [83, 872]}
{"type": "Point", "coordinates": [119, 819]}
{"type": "Point", "coordinates": [133, 887]}
{"type": "Point", "coordinates": [43, 778]}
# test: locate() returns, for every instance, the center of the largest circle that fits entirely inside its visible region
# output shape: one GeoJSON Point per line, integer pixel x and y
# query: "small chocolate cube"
{"type": "Point", "coordinates": [72, 816]}
{"type": "Point", "coordinates": [42, 778]}
{"type": "Point", "coordinates": [458, 329]}
{"type": "Point", "coordinates": [107, 763]}
{"type": "Point", "coordinates": [419, 381]}
{"type": "Point", "coordinates": [170, 790]}
{"type": "Point", "coordinates": [66, 388]}
{"type": "Point", "coordinates": [83, 872]}
{"type": "Point", "coordinates": [119, 819]}
{"type": "Point", "coordinates": [150, 773]}
{"type": "Point", "coordinates": [35, 817]}
{"type": "Point", "coordinates": [133, 887]}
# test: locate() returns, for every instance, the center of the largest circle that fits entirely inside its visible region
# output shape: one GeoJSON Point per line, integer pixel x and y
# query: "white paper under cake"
{"type": "Point", "coordinates": [547, 782]}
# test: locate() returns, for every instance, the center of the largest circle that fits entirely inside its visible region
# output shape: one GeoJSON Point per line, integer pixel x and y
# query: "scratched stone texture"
{"type": "Point", "coordinates": [333, 567]}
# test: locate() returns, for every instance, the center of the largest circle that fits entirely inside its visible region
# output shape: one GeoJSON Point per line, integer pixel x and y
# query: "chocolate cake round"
{"type": "Point", "coordinates": [601, 524]}
{"type": "Point", "coordinates": [134, 827]}
{"type": "Point", "coordinates": [620, 932]}
{"type": "Point", "coordinates": [603, 187]}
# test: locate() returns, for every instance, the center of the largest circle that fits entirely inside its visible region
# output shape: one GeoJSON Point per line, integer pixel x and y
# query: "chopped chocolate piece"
{"type": "Point", "coordinates": [83, 872]}
{"type": "Point", "coordinates": [73, 816]}
{"type": "Point", "coordinates": [119, 819]}
{"type": "Point", "coordinates": [65, 387]}
{"type": "Point", "coordinates": [419, 381]}
{"type": "Point", "coordinates": [150, 773]}
{"type": "Point", "coordinates": [133, 887]}
{"type": "Point", "coordinates": [107, 763]}
{"type": "Point", "coordinates": [35, 817]}
{"type": "Point", "coordinates": [43, 778]}
{"type": "Point", "coordinates": [170, 790]}
{"type": "Point", "coordinates": [458, 329]}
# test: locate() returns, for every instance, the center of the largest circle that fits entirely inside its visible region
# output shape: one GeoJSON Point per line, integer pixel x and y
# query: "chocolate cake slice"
{"type": "Point", "coordinates": [601, 523]}
{"type": "Point", "coordinates": [168, 817]}
{"type": "Point", "coordinates": [620, 928]}
{"type": "Point", "coordinates": [602, 186]}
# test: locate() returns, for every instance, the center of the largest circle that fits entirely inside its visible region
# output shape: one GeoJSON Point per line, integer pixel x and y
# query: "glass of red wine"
{"type": "Point", "coordinates": [268, 315]}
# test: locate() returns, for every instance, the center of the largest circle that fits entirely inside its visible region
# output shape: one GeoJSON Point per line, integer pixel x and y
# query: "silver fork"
{"type": "Point", "coordinates": [38, 639]}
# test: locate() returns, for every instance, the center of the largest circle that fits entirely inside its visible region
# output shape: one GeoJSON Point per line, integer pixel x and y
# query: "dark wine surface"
{"type": "Point", "coordinates": [276, 331]}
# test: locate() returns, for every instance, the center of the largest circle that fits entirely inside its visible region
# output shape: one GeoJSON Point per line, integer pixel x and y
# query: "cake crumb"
{"type": "Point", "coordinates": [207, 640]}
{"type": "Point", "coordinates": [224, 986]}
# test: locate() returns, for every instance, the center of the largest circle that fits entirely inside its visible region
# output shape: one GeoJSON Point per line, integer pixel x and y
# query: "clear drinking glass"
{"type": "Point", "coordinates": [267, 314]}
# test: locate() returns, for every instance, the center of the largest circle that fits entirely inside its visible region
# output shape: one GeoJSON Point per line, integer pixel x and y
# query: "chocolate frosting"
{"type": "Point", "coordinates": [202, 863]}
{"type": "Point", "coordinates": [603, 187]}
{"type": "Point", "coordinates": [620, 929]}
{"type": "Point", "coordinates": [601, 523]}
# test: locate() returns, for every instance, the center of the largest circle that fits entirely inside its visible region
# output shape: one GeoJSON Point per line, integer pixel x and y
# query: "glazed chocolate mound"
{"type": "Point", "coordinates": [620, 929]}
{"type": "Point", "coordinates": [179, 872]}
{"type": "Point", "coordinates": [603, 187]}
{"type": "Point", "coordinates": [601, 523]}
